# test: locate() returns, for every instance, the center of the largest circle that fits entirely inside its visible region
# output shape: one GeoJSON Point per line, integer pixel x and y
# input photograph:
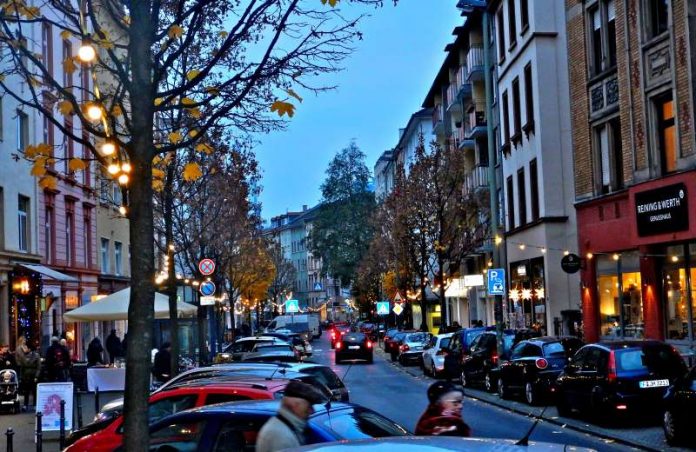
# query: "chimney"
{"type": "Point", "coordinates": [304, 207]}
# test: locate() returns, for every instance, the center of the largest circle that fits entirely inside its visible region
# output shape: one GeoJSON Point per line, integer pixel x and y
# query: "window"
{"type": "Point", "coordinates": [510, 204]}
{"type": "Point", "coordinates": [69, 242]}
{"type": "Point", "coordinates": [105, 256]}
{"type": "Point", "coordinates": [47, 48]}
{"type": "Point", "coordinates": [118, 257]}
{"type": "Point", "coordinates": [501, 36]}
{"type": "Point", "coordinates": [69, 144]}
{"type": "Point", "coordinates": [534, 188]}
{"type": "Point", "coordinates": [67, 75]}
{"type": "Point", "coordinates": [609, 156]}
{"type": "Point", "coordinates": [22, 131]}
{"type": "Point", "coordinates": [359, 423]}
{"type": "Point", "coordinates": [524, 14]}
{"type": "Point", "coordinates": [620, 296]}
{"type": "Point", "coordinates": [23, 223]}
{"type": "Point", "coordinates": [528, 99]}
{"type": "Point", "coordinates": [602, 19]}
{"type": "Point", "coordinates": [170, 405]}
{"type": "Point", "coordinates": [506, 121]}
{"type": "Point", "coordinates": [522, 197]}
{"type": "Point", "coordinates": [658, 17]}
{"type": "Point", "coordinates": [666, 133]}
{"type": "Point", "coordinates": [87, 232]}
{"type": "Point", "coordinates": [49, 233]}
{"type": "Point", "coordinates": [512, 23]}
{"type": "Point", "coordinates": [517, 121]}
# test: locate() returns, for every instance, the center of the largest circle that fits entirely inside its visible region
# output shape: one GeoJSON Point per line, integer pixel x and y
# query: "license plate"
{"type": "Point", "coordinates": [354, 347]}
{"type": "Point", "coordinates": [653, 383]}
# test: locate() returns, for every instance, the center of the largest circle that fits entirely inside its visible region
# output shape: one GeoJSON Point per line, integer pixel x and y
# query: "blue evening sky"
{"type": "Point", "coordinates": [383, 83]}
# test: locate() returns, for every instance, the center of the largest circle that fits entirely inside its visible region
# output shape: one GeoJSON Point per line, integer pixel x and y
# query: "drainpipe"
{"type": "Point", "coordinates": [492, 182]}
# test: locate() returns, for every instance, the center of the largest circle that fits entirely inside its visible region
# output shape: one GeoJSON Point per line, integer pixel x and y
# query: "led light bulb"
{"type": "Point", "coordinates": [122, 210]}
{"type": "Point", "coordinates": [126, 167]}
{"type": "Point", "coordinates": [87, 53]}
{"type": "Point", "coordinates": [113, 168]}
{"type": "Point", "coordinates": [123, 179]}
{"type": "Point", "coordinates": [108, 148]}
{"type": "Point", "coordinates": [94, 112]}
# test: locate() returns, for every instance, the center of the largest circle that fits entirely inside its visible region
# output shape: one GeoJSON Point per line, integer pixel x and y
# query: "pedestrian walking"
{"type": "Point", "coordinates": [113, 346]}
{"type": "Point", "coordinates": [29, 363]}
{"type": "Point", "coordinates": [444, 413]}
{"type": "Point", "coordinates": [287, 428]}
{"type": "Point", "coordinates": [163, 363]}
{"type": "Point", "coordinates": [57, 361]}
{"type": "Point", "coordinates": [95, 352]}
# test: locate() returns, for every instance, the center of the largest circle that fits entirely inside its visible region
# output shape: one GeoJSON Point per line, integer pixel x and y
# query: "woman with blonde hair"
{"type": "Point", "coordinates": [29, 365]}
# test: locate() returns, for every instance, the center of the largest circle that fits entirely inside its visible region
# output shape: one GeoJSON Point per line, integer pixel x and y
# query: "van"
{"type": "Point", "coordinates": [304, 324]}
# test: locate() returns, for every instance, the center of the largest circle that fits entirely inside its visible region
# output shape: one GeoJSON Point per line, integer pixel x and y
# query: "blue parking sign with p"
{"type": "Point", "coordinates": [496, 281]}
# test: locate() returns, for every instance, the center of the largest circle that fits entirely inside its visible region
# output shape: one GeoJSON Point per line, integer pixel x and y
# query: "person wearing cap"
{"type": "Point", "coordinates": [286, 428]}
{"type": "Point", "coordinates": [444, 413]}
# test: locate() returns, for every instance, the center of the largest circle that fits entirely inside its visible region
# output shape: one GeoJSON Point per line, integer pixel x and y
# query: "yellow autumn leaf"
{"type": "Point", "coordinates": [157, 185]}
{"type": "Point", "coordinates": [30, 12]}
{"type": "Point", "coordinates": [223, 34]}
{"type": "Point", "coordinates": [65, 107]}
{"type": "Point", "coordinates": [195, 112]}
{"type": "Point", "coordinates": [158, 101]}
{"type": "Point", "coordinates": [193, 73]}
{"type": "Point", "coordinates": [332, 3]}
{"type": "Point", "coordinates": [38, 169]}
{"type": "Point", "coordinates": [175, 31]}
{"type": "Point", "coordinates": [127, 20]}
{"type": "Point", "coordinates": [213, 91]}
{"type": "Point", "coordinates": [106, 43]}
{"type": "Point", "coordinates": [283, 108]}
{"type": "Point", "coordinates": [157, 173]}
{"type": "Point", "coordinates": [187, 101]}
{"type": "Point", "coordinates": [192, 172]}
{"type": "Point", "coordinates": [30, 152]}
{"type": "Point", "coordinates": [48, 183]}
{"type": "Point", "coordinates": [193, 133]}
{"type": "Point", "coordinates": [69, 65]}
{"type": "Point", "coordinates": [65, 35]}
{"type": "Point", "coordinates": [294, 94]}
{"type": "Point", "coordinates": [204, 147]}
{"type": "Point", "coordinates": [174, 137]}
{"type": "Point", "coordinates": [76, 164]}
{"type": "Point", "coordinates": [44, 149]}
{"type": "Point", "coordinates": [117, 111]}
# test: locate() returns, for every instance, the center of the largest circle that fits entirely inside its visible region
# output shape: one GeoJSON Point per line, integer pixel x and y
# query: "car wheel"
{"type": "Point", "coordinates": [489, 383]}
{"type": "Point", "coordinates": [370, 360]}
{"type": "Point", "coordinates": [462, 379]}
{"type": "Point", "coordinates": [502, 390]}
{"type": "Point", "coordinates": [672, 428]}
{"type": "Point", "coordinates": [530, 394]}
{"type": "Point", "coordinates": [393, 357]}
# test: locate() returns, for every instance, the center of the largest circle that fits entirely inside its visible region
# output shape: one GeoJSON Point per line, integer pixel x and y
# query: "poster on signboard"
{"type": "Point", "coordinates": [48, 397]}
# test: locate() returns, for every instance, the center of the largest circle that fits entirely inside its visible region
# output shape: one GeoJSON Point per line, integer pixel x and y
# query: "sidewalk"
{"type": "Point", "coordinates": [24, 424]}
{"type": "Point", "coordinates": [646, 438]}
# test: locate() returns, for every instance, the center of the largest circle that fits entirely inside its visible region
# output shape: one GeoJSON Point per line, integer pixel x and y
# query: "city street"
{"type": "Point", "coordinates": [386, 388]}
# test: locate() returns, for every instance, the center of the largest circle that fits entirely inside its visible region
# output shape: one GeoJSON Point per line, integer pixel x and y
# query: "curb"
{"type": "Point", "coordinates": [556, 421]}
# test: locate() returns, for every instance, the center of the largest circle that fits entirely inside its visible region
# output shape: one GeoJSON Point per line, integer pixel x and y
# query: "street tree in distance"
{"type": "Point", "coordinates": [284, 275]}
{"type": "Point", "coordinates": [342, 232]}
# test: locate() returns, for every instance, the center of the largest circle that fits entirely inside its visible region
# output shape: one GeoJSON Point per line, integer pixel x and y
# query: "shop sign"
{"type": "Point", "coordinates": [475, 280]}
{"type": "Point", "coordinates": [662, 210]}
{"type": "Point", "coordinates": [71, 300]}
{"type": "Point", "coordinates": [571, 263]}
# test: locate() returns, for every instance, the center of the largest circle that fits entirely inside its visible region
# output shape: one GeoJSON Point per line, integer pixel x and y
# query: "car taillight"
{"type": "Point", "coordinates": [342, 333]}
{"type": "Point", "coordinates": [494, 358]}
{"type": "Point", "coordinates": [541, 363]}
{"type": "Point", "coordinates": [369, 344]}
{"type": "Point", "coordinates": [611, 375]}
{"type": "Point", "coordinates": [404, 347]}
{"type": "Point", "coordinates": [333, 335]}
{"type": "Point", "coordinates": [339, 345]}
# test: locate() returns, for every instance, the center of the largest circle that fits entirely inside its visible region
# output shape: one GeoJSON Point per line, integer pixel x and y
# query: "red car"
{"type": "Point", "coordinates": [182, 398]}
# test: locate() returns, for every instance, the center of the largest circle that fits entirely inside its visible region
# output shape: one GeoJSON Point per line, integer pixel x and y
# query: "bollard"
{"type": "Point", "coordinates": [61, 438]}
{"type": "Point", "coordinates": [78, 395]}
{"type": "Point", "coordinates": [39, 435]}
{"type": "Point", "coordinates": [9, 434]}
{"type": "Point", "coordinates": [96, 400]}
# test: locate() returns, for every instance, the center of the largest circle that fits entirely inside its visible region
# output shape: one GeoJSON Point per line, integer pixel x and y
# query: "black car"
{"type": "Point", "coordinates": [459, 347]}
{"type": "Point", "coordinates": [680, 404]}
{"type": "Point", "coordinates": [354, 346]}
{"type": "Point", "coordinates": [612, 378]}
{"type": "Point", "coordinates": [338, 332]}
{"type": "Point", "coordinates": [534, 366]}
{"type": "Point", "coordinates": [480, 366]}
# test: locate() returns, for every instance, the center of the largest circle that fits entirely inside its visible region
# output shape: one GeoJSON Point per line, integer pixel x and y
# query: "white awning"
{"type": "Point", "coordinates": [457, 289]}
{"type": "Point", "coordinates": [49, 273]}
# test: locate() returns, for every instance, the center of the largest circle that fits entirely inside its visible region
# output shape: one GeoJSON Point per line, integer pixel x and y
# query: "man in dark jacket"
{"type": "Point", "coordinates": [163, 363]}
{"type": "Point", "coordinates": [57, 361]}
{"type": "Point", "coordinates": [113, 346]}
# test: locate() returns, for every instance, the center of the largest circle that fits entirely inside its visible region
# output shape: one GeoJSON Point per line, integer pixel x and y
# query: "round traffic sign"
{"type": "Point", "coordinates": [571, 263]}
{"type": "Point", "coordinates": [206, 267]}
{"type": "Point", "coordinates": [207, 288]}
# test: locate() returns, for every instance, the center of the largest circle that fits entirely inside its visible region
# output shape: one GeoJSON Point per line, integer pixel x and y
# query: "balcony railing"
{"type": "Point", "coordinates": [476, 179]}
{"type": "Point", "coordinates": [473, 119]}
{"type": "Point", "coordinates": [438, 114]}
{"type": "Point", "coordinates": [474, 59]}
{"type": "Point", "coordinates": [452, 91]}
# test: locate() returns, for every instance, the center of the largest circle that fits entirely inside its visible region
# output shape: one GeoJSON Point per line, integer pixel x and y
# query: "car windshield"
{"type": "Point", "coordinates": [554, 350]}
{"type": "Point", "coordinates": [471, 335]}
{"type": "Point", "coordinates": [272, 348]}
{"type": "Point", "coordinates": [444, 342]}
{"type": "Point", "coordinates": [662, 360]}
{"type": "Point", "coordinates": [356, 336]}
{"type": "Point", "coordinates": [417, 337]}
{"type": "Point", "coordinates": [357, 424]}
{"type": "Point", "coordinates": [298, 327]}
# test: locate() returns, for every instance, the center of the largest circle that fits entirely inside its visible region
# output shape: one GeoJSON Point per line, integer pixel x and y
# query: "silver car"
{"type": "Point", "coordinates": [412, 346]}
{"type": "Point", "coordinates": [434, 354]}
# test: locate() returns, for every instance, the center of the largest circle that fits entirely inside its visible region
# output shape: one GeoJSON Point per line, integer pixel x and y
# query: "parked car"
{"type": "Point", "coordinates": [323, 374]}
{"type": "Point", "coordinates": [534, 366]}
{"type": "Point", "coordinates": [613, 378]}
{"type": "Point", "coordinates": [235, 426]}
{"type": "Point", "coordinates": [388, 339]}
{"type": "Point", "coordinates": [98, 437]}
{"type": "Point", "coordinates": [338, 332]}
{"type": "Point", "coordinates": [381, 329]}
{"type": "Point", "coordinates": [273, 352]}
{"type": "Point", "coordinates": [395, 343]}
{"type": "Point", "coordinates": [369, 329]}
{"type": "Point", "coordinates": [480, 366]}
{"type": "Point", "coordinates": [680, 404]}
{"type": "Point", "coordinates": [354, 346]}
{"type": "Point", "coordinates": [434, 354]}
{"type": "Point", "coordinates": [294, 339]}
{"type": "Point", "coordinates": [411, 348]}
{"type": "Point", "coordinates": [237, 350]}
{"type": "Point", "coordinates": [458, 348]}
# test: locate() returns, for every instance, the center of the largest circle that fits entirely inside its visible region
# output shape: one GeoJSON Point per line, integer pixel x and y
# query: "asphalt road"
{"type": "Point", "coordinates": [400, 396]}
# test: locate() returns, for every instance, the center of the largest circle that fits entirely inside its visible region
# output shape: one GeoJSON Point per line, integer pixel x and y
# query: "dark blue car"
{"type": "Point", "coordinates": [458, 347]}
{"type": "Point", "coordinates": [235, 426]}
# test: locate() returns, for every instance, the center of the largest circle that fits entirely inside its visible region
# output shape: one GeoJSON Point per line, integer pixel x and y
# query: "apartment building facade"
{"type": "Point", "coordinates": [531, 89]}
{"type": "Point", "coordinates": [635, 166]}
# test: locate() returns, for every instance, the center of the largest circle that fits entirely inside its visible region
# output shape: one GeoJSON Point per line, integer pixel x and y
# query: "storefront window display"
{"type": "Point", "coordinates": [620, 316]}
{"type": "Point", "coordinates": [528, 295]}
{"type": "Point", "coordinates": [678, 279]}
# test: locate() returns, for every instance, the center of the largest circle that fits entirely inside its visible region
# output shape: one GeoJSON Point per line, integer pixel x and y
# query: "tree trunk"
{"type": "Point", "coordinates": [171, 269]}
{"type": "Point", "coordinates": [424, 306]}
{"type": "Point", "coordinates": [136, 435]}
{"type": "Point", "coordinates": [444, 320]}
